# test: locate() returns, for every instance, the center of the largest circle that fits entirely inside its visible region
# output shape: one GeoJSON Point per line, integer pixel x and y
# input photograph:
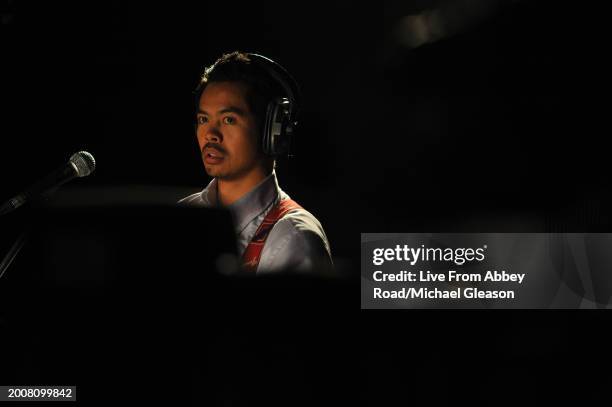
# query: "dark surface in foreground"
{"type": "Point", "coordinates": [292, 341]}
{"type": "Point", "coordinates": [147, 321]}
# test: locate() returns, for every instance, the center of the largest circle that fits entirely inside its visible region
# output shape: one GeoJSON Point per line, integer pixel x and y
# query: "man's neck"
{"type": "Point", "coordinates": [229, 191]}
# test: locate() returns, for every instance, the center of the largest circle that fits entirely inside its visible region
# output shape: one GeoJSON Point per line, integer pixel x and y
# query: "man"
{"type": "Point", "coordinates": [245, 117]}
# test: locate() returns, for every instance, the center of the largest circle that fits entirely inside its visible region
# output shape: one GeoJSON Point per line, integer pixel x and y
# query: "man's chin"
{"type": "Point", "coordinates": [212, 171]}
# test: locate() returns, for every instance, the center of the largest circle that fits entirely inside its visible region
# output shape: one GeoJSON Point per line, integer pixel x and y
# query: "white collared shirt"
{"type": "Point", "coordinates": [297, 242]}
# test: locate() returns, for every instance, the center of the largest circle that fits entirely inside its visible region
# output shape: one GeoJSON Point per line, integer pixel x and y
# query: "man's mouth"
{"type": "Point", "coordinates": [213, 156]}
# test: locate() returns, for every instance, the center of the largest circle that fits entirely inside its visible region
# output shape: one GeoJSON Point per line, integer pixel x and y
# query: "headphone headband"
{"type": "Point", "coordinates": [283, 78]}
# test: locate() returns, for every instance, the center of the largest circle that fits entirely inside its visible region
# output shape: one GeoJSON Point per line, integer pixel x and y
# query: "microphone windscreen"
{"type": "Point", "coordinates": [84, 163]}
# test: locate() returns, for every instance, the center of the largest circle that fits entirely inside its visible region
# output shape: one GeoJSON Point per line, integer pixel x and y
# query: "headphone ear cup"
{"type": "Point", "coordinates": [277, 127]}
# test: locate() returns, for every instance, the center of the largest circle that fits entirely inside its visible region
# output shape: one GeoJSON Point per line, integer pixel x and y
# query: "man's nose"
{"type": "Point", "coordinates": [213, 134]}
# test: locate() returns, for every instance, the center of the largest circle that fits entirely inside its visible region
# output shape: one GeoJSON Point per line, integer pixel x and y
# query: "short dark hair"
{"type": "Point", "coordinates": [239, 67]}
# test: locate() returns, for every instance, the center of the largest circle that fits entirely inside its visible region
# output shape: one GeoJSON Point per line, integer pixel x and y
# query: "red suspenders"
{"type": "Point", "coordinates": [252, 253]}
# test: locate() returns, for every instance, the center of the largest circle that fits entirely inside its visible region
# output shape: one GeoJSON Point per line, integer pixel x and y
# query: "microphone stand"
{"type": "Point", "coordinates": [21, 239]}
{"type": "Point", "coordinates": [13, 251]}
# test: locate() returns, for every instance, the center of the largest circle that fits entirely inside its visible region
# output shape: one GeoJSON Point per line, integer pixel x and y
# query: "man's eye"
{"type": "Point", "coordinates": [202, 119]}
{"type": "Point", "coordinates": [229, 120]}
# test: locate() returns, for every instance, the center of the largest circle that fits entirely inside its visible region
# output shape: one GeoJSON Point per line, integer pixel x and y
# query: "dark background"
{"type": "Point", "coordinates": [497, 123]}
{"type": "Point", "coordinates": [469, 115]}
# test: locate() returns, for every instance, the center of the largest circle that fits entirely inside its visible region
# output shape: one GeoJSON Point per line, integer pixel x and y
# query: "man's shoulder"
{"type": "Point", "coordinates": [301, 227]}
{"type": "Point", "coordinates": [297, 242]}
{"type": "Point", "coordinates": [302, 221]}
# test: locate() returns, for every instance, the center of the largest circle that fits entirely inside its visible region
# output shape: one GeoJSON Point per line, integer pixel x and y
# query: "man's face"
{"type": "Point", "coordinates": [227, 131]}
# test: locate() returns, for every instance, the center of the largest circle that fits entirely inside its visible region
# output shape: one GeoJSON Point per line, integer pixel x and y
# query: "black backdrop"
{"type": "Point", "coordinates": [502, 118]}
{"type": "Point", "coordinates": [501, 124]}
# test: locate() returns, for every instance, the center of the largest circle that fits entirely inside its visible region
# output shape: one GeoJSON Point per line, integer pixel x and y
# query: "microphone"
{"type": "Point", "coordinates": [81, 164]}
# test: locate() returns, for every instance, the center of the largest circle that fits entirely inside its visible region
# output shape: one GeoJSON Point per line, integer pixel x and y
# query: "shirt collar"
{"type": "Point", "coordinates": [209, 194]}
{"type": "Point", "coordinates": [249, 206]}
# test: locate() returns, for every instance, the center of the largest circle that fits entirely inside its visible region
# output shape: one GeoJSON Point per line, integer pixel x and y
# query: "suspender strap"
{"type": "Point", "coordinates": [252, 253]}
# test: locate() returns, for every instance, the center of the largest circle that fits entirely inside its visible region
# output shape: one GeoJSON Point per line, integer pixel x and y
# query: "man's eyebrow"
{"type": "Point", "coordinates": [229, 109]}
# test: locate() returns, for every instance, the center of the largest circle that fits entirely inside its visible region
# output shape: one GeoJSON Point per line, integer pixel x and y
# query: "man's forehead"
{"type": "Point", "coordinates": [223, 94]}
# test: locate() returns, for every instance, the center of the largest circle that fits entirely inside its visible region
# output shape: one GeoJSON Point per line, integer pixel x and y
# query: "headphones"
{"type": "Point", "coordinates": [280, 122]}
